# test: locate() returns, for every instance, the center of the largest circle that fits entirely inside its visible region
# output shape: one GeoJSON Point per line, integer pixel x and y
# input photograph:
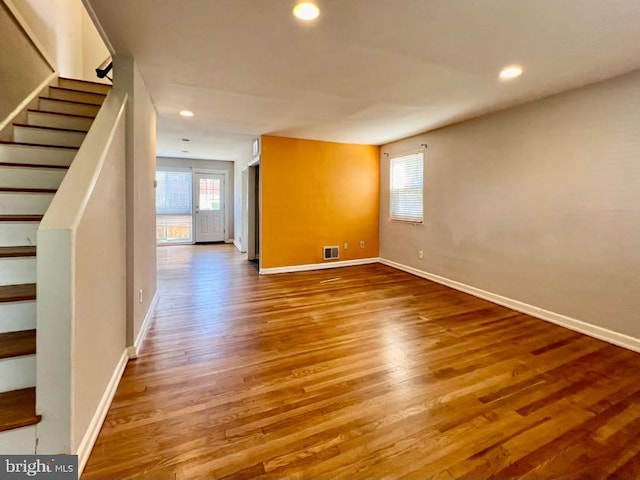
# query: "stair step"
{"type": "Point", "coordinates": [18, 270]}
{"type": "Point", "coordinates": [16, 316]}
{"type": "Point", "coordinates": [83, 85]}
{"type": "Point", "coordinates": [17, 373]}
{"type": "Point", "coordinates": [20, 218]}
{"type": "Point", "coordinates": [17, 344]}
{"type": "Point", "coordinates": [18, 409]}
{"type": "Point", "coordinates": [27, 176]}
{"type": "Point", "coordinates": [17, 293]}
{"type": "Point", "coordinates": [18, 265]}
{"type": "Point", "coordinates": [27, 190]}
{"type": "Point", "coordinates": [55, 129]}
{"type": "Point", "coordinates": [41, 118]}
{"type": "Point", "coordinates": [9, 252]}
{"type": "Point", "coordinates": [36, 154]}
{"type": "Point", "coordinates": [34, 165]}
{"type": "Point", "coordinates": [17, 233]}
{"type": "Point", "coordinates": [39, 145]}
{"type": "Point", "coordinates": [61, 93]}
{"type": "Point", "coordinates": [66, 106]}
{"type": "Point", "coordinates": [47, 135]}
{"type": "Point", "coordinates": [19, 441]}
{"type": "Point", "coordinates": [24, 202]}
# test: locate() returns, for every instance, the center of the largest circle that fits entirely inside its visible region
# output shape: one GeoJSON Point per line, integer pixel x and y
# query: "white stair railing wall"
{"type": "Point", "coordinates": [81, 307]}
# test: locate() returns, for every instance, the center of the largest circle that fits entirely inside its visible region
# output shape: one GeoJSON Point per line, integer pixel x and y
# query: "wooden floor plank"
{"type": "Point", "coordinates": [16, 344]}
{"type": "Point", "coordinates": [17, 293]}
{"type": "Point", "coordinates": [8, 252]}
{"type": "Point", "coordinates": [361, 372]}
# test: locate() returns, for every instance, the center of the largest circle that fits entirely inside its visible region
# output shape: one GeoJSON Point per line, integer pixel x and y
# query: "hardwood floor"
{"type": "Point", "coordinates": [361, 372]}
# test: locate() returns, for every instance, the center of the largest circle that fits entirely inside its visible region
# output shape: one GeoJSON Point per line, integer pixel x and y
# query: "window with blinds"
{"type": "Point", "coordinates": [174, 221]}
{"type": "Point", "coordinates": [173, 193]}
{"type": "Point", "coordinates": [406, 188]}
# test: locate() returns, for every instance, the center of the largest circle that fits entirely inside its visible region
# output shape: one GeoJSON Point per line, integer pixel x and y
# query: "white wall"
{"type": "Point", "coordinates": [99, 335]}
{"type": "Point", "coordinates": [94, 51]}
{"type": "Point", "coordinates": [238, 166]}
{"type": "Point", "coordinates": [144, 202]}
{"type": "Point", "coordinates": [538, 203]}
{"type": "Point", "coordinates": [202, 164]}
{"type": "Point", "coordinates": [67, 35]}
{"type": "Point", "coordinates": [23, 70]}
{"type": "Point", "coordinates": [141, 207]}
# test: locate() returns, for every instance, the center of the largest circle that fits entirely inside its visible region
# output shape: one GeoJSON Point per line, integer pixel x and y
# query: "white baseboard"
{"type": "Point", "coordinates": [91, 435]}
{"type": "Point", "coordinates": [318, 266]}
{"type": "Point", "coordinates": [134, 350]}
{"type": "Point", "coordinates": [616, 338]}
{"type": "Point", "coordinates": [237, 245]}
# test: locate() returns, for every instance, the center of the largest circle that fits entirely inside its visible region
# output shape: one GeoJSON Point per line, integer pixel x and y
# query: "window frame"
{"type": "Point", "coordinates": [415, 220]}
{"type": "Point", "coordinates": [163, 217]}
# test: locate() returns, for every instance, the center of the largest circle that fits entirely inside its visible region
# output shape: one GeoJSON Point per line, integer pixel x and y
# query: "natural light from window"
{"type": "Point", "coordinates": [174, 221]}
{"type": "Point", "coordinates": [405, 197]}
{"type": "Point", "coordinates": [210, 194]}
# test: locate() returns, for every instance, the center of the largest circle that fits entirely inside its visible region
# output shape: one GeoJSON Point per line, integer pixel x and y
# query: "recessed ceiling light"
{"type": "Point", "coordinates": [510, 72]}
{"type": "Point", "coordinates": [306, 11]}
{"type": "Point", "coordinates": [186, 113]}
{"type": "Point", "coordinates": [185, 151]}
{"type": "Point", "coordinates": [186, 139]}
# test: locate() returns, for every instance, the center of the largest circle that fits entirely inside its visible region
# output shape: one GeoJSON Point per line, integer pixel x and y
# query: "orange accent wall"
{"type": "Point", "coordinates": [316, 194]}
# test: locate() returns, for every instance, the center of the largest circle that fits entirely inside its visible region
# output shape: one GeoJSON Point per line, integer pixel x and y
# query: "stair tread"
{"type": "Point", "coordinates": [18, 409]}
{"type": "Point", "coordinates": [49, 112]}
{"type": "Point", "coordinates": [20, 218]}
{"type": "Point", "coordinates": [78, 91]}
{"type": "Point", "coordinates": [33, 165]}
{"type": "Point", "coordinates": [27, 190]}
{"type": "Point", "coordinates": [6, 252]}
{"type": "Point", "coordinates": [17, 293]}
{"type": "Point", "coordinates": [69, 101]}
{"type": "Point", "coordinates": [85, 81]}
{"type": "Point", "coordinates": [42, 145]}
{"type": "Point", "coordinates": [17, 344]}
{"type": "Point", "coordinates": [55, 129]}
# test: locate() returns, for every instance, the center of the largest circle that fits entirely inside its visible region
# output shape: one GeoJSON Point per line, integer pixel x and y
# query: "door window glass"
{"type": "Point", "coordinates": [209, 194]}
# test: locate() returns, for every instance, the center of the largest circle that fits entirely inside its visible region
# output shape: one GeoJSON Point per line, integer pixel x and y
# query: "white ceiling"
{"type": "Point", "coordinates": [368, 71]}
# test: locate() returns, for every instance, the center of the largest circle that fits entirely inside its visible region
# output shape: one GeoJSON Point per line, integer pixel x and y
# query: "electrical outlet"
{"type": "Point", "coordinates": [140, 296]}
{"type": "Point", "coordinates": [346, 246]}
{"type": "Point", "coordinates": [420, 254]}
{"type": "Point", "coordinates": [361, 243]}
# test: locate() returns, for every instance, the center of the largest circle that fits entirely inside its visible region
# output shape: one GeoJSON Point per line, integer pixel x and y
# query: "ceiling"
{"type": "Point", "coordinates": [367, 71]}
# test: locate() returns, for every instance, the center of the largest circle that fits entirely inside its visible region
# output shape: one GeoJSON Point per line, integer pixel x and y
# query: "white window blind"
{"type": "Point", "coordinates": [406, 187]}
{"type": "Point", "coordinates": [174, 223]}
{"type": "Point", "coordinates": [173, 193]}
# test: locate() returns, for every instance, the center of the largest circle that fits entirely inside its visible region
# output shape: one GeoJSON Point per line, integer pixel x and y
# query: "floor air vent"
{"type": "Point", "coordinates": [331, 253]}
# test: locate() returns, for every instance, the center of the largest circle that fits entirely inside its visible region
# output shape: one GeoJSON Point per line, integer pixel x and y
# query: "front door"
{"type": "Point", "coordinates": [209, 193]}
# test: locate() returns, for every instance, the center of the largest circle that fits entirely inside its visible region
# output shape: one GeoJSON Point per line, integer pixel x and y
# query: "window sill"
{"type": "Point", "coordinates": [408, 222]}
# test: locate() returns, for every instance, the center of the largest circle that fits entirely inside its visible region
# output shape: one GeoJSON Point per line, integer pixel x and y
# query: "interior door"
{"type": "Point", "coordinates": [209, 193]}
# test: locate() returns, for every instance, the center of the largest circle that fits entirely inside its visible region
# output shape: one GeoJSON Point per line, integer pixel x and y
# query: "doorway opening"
{"type": "Point", "coordinates": [253, 213]}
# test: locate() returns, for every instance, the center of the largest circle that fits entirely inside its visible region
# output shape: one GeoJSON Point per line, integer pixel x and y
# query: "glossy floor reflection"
{"type": "Point", "coordinates": [361, 372]}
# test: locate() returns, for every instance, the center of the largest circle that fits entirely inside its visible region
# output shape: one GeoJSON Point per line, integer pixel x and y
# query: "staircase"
{"type": "Point", "coordinates": [32, 166]}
